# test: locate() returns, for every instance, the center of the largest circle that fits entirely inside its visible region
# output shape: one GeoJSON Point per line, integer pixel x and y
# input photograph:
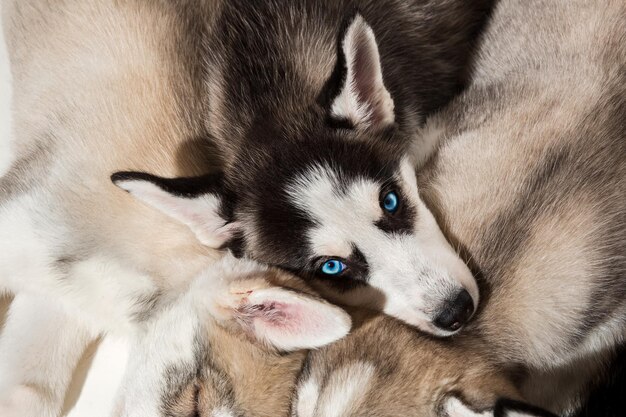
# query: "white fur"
{"type": "Point", "coordinates": [199, 213]}
{"type": "Point", "coordinates": [55, 314]}
{"type": "Point", "coordinates": [166, 341]}
{"type": "Point", "coordinates": [453, 407]}
{"type": "Point", "coordinates": [217, 294]}
{"type": "Point", "coordinates": [406, 268]}
{"type": "Point", "coordinates": [308, 398]}
{"type": "Point", "coordinates": [6, 154]}
{"type": "Point", "coordinates": [223, 412]}
{"type": "Point", "coordinates": [345, 389]}
{"type": "Point", "coordinates": [376, 109]}
{"type": "Point", "coordinates": [40, 345]}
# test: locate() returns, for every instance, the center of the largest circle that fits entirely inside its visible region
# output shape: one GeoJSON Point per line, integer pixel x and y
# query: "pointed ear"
{"type": "Point", "coordinates": [196, 202]}
{"type": "Point", "coordinates": [362, 99]}
{"type": "Point", "coordinates": [283, 318]}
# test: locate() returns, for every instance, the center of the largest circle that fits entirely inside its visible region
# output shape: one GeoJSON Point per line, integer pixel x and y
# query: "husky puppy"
{"type": "Point", "coordinates": [101, 86]}
{"type": "Point", "coordinates": [315, 107]}
{"type": "Point", "coordinates": [531, 182]}
{"type": "Point", "coordinates": [213, 353]}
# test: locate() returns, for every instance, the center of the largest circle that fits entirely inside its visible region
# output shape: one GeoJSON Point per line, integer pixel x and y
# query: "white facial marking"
{"type": "Point", "coordinates": [346, 389]}
{"type": "Point", "coordinates": [341, 217]}
{"type": "Point", "coordinates": [417, 271]}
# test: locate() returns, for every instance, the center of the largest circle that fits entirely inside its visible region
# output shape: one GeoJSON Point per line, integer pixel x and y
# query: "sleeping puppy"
{"type": "Point", "coordinates": [231, 347]}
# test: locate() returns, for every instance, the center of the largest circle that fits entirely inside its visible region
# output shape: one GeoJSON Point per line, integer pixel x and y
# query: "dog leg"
{"type": "Point", "coordinates": [167, 343]}
{"type": "Point", "coordinates": [39, 348]}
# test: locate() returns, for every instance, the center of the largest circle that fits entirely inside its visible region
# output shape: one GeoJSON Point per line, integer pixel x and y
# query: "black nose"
{"type": "Point", "coordinates": [456, 312]}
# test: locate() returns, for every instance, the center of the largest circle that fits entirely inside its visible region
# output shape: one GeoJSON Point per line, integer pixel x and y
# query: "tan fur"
{"type": "Point", "coordinates": [262, 379]}
{"type": "Point", "coordinates": [135, 109]}
{"type": "Point", "coordinates": [97, 87]}
{"type": "Point", "coordinates": [414, 373]}
{"type": "Point", "coordinates": [116, 83]}
{"type": "Point", "coordinates": [531, 184]}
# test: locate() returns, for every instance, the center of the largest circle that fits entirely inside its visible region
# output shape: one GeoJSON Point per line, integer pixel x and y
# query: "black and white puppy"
{"type": "Point", "coordinates": [315, 107]}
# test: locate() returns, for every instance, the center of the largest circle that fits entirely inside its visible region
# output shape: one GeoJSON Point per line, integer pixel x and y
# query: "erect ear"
{"type": "Point", "coordinates": [196, 202]}
{"type": "Point", "coordinates": [455, 407]}
{"type": "Point", "coordinates": [362, 99]}
{"type": "Point", "coordinates": [283, 318]}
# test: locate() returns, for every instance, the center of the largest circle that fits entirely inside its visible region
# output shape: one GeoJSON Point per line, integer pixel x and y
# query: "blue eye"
{"type": "Point", "coordinates": [390, 202]}
{"type": "Point", "coordinates": [333, 267]}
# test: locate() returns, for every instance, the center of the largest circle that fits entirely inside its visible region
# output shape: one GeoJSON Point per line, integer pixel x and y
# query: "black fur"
{"type": "Point", "coordinates": [505, 406]}
{"type": "Point", "coordinates": [400, 221]}
{"type": "Point", "coordinates": [608, 398]}
{"type": "Point", "coordinates": [187, 187]}
{"type": "Point", "coordinates": [278, 64]}
{"type": "Point", "coordinates": [337, 78]}
{"type": "Point", "coordinates": [276, 120]}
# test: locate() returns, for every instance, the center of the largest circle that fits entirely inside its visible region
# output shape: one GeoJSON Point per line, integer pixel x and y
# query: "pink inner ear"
{"type": "Point", "coordinates": [288, 321]}
{"type": "Point", "coordinates": [275, 314]}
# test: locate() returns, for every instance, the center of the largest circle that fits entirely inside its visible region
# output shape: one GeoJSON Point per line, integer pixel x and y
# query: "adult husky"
{"type": "Point", "coordinates": [102, 86]}
{"type": "Point", "coordinates": [531, 181]}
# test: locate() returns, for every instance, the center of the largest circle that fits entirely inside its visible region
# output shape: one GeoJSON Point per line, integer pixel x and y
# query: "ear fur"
{"type": "Point", "coordinates": [195, 202]}
{"type": "Point", "coordinates": [454, 407]}
{"type": "Point", "coordinates": [289, 321]}
{"type": "Point", "coordinates": [362, 100]}
{"type": "Point", "coordinates": [245, 295]}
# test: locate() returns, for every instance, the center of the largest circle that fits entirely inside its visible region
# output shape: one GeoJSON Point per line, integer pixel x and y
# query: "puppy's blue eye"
{"type": "Point", "coordinates": [390, 202]}
{"type": "Point", "coordinates": [333, 267]}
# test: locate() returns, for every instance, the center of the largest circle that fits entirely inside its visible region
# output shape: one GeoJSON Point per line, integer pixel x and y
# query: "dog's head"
{"type": "Point", "coordinates": [338, 205]}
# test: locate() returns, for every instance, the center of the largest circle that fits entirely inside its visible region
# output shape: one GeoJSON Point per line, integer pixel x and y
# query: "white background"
{"type": "Point", "coordinates": [96, 379]}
